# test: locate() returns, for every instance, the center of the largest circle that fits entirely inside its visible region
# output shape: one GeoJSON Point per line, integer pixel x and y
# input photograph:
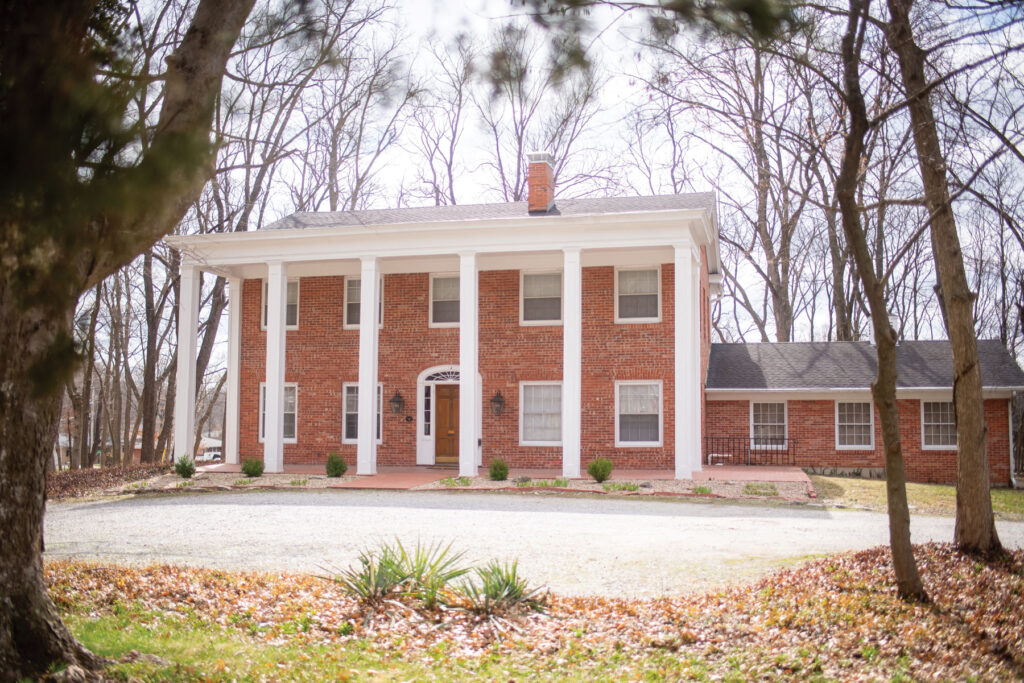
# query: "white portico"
{"type": "Point", "coordinates": [464, 241]}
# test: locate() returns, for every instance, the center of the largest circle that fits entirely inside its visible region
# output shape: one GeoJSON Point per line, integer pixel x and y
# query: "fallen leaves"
{"type": "Point", "coordinates": [836, 618]}
{"type": "Point", "coordinates": [79, 483]}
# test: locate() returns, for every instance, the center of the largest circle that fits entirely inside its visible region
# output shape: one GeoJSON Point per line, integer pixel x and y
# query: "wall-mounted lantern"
{"type": "Point", "coordinates": [397, 403]}
{"type": "Point", "coordinates": [497, 403]}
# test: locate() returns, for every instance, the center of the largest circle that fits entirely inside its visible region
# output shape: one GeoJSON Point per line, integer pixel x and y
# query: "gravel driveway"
{"type": "Point", "coordinates": [574, 545]}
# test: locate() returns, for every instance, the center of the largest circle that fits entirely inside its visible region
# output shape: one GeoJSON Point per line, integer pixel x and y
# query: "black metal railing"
{"type": "Point", "coordinates": [731, 450]}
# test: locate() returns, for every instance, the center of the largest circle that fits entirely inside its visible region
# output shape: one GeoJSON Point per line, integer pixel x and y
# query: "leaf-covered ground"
{"type": "Point", "coordinates": [79, 483]}
{"type": "Point", "coordinates": [836, 618]}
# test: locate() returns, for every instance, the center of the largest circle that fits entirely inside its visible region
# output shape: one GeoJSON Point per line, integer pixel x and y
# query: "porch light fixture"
{"type": "Point", "coordinates": [397, 403]}
{"type": "Point", "coordinates": [497, 403]}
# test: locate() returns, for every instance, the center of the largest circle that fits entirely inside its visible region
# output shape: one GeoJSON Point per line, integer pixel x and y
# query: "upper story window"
{"type": "Point", "coordinates": [541, 300]}
{"type": "Point", "coordinates": [444, 300]}
{"type": "Point", "coordinates": [291, 315]}
{"type": "Point", "coordinates": [768, 425]}
{"type": "Point", "coordinates": [353, 291]}
{"type": "Point", "coordinates": [638, 295]}
{"type": "Point", "coordinates": [854, 425]}
{"type": "Point", "coordinates": [938, 425]}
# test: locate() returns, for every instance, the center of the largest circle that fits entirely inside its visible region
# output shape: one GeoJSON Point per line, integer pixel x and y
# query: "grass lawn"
{"type": "Point", "coordinates": [832, 619]}
{"type": "Point", "coordinates": [932, 499]}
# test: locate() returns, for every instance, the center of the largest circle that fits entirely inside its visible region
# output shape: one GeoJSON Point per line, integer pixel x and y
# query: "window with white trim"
{"type": "Point", "coordinates": [854, 425]}
{"type": "Point", "coordinates": [768, 425]}
{"type": "Point", "coordinates": [353, 291]}
{"type": "Point", "coordinates": [637, 413]}
{"type": "Point", "coordinates": [291, 310]}
{"type": "Point", "coordinates": [290, 407]}
{"type": "Point", "coordinates": [350, 421]}
{"type": "Point", "coordinates": [938, 424]}
{"type": "Point", "coordinates": [540, 413]}
{"type": "Point", "coordinates": [444, 300]}
{"type": "Point", "coordinates": [638, 295]}
{"type": "Point", "coordinates": [541, 298]}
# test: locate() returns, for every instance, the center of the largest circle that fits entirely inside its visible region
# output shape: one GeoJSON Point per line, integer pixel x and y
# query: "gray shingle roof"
{"type": "Point", "coordinates": [469, 212]}
{"type": "Point", "coordinates": [847, 365]}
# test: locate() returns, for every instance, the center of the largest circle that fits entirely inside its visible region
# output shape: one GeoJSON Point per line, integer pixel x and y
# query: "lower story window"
{"type": "Point", "coordinates": [291, 410]}
{"type": "Point", "coordinates": [350, 428]}
{"type": "Point", "coordinates": [768, 425]}
{"type": "Point", "coordinates": [938, 424]}
{"type": "Point", "coordinates": [854, 422]}
{"type": "Point", "coordinates": [540, 413]}
{"type": "Point", "coordinates": [638, 413]}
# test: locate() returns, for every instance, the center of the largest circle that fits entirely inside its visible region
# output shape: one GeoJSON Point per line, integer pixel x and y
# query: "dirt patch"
{"type": "Point", "coordinates": [95, 481]}
{"type": "Point", "coordinates": [233, 480]}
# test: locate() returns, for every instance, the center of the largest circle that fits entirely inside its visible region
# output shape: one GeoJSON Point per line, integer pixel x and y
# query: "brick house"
{"type": "Point", "coordinates": [544, 333]}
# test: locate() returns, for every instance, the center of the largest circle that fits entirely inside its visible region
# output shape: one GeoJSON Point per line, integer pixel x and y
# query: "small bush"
{"type": "Point", "coordinates": [252, 468]}
{"type": "Point", "coordinates": [240, 482]}
{"type": "Point", "coordinates": [185, 467]}
{"type": "Point", "coordinates": [378, 575]}
{"type": "Point", "coordinates": [499, 588]}
{"type": "Point", "coordinates": [702, 489]}
{"type": "Point", "coordinates": [499, 470]}
{"type": "Point", "coordinates": [336, 465]}
{"type": "Point", "coordinates": [600, 469]}
{"type": "Point", "coordinates": [430, 568]}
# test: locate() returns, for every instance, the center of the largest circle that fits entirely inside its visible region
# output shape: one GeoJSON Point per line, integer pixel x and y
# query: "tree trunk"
{"type": "Point", "coordinates": [31, 632]}
{"type": "Point", "coordinates": [147, 406]}
{"type": "Point", "coordinates": [975, 523]}
{"type": "Point", "coordinates": [908, 580]}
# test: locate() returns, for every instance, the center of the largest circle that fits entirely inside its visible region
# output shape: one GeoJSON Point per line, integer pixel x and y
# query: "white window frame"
{"type": "Point", "coordinates": [628, 321]}
{"type": "Point", "coordinates": [380, 410]}
{"type": "Point", "coordinates": [345, 324]}
{"type": "Point", "coordinates": [522, 299]}
{"type": "Point", "coordinates": [260, 426]}
{"type": "Point", "coordinates": [522, 405]}
{"type": "Point", "coordinates": [785, 427]}
{"type": "Point", "coordinates": [661, 415]}
{"type": "Point", "coordinates": [940, 447]}
{"type": "Point", "coordinates": [430, 301]}
{"type": "Point", "coordinates": [871, 426]}
{"type": "Point", "coordinates": [263, 303]}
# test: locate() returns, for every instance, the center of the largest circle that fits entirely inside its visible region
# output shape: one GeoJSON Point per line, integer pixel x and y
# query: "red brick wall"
{"type": "Point", "coordinates": [812, 424]}
{"type": "Point", "coordinates": [321, 355]}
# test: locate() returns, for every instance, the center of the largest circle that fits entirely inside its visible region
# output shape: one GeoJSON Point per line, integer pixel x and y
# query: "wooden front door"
{"type": "Point", "coordinates": [446, 436]}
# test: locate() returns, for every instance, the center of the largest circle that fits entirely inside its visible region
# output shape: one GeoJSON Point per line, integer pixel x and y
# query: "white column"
{"type": "Point", "coordinates": [234, 353]}
{"type": "Point", "coordinates": [687, 431]}
{"type": "Point", "coordinates": [469, 392]}
{"type": "Point", "coordinates": [366, 453]}
{"type": "Point", "coordinates": [572, 362]}
{"type": "Point", "coordinates": [697, 448]}
{"type": "Point", "coordinates": [185, 399]}
{"type": "Point", "coordinates": [273, 436]}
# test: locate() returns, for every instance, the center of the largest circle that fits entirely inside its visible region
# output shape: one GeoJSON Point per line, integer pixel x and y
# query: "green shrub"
{"type": "Point", "coordinates": [336, 465]}
{"type": "Point", "coordinates": [430, 568]}
{"type": "Point", "coordinates": [185, 467]}
{"type": "Point", "coordinates": [702, 489]}
{"type": "Point", "coordinates": [620, 486]}
{"type": "Point", "coordinates": [252, 468]}
{"type": "Point", "coordinates": [499, 588]}
{"type": "Point", "coordinates": [600, 469]}
{"type": "Point", "coordinates": [499, 470]}
{"type": "Point", "coordinates": [453, 482]}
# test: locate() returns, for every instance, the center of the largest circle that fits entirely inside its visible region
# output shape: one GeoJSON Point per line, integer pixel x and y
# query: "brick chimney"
{"type": "Point", "coordinates": [540, 180]}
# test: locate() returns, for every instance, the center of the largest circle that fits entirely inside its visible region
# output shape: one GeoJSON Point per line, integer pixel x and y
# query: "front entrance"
{"type": "Point", "coordinates": [446, 439]}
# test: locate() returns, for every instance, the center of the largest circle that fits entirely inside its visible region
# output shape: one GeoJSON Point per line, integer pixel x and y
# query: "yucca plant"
{"type": "Point", "coordinates": [499, 589]}
{"type": "Point", "coordinates": [378, 575]}
{"type": "Point", "coordinates": [430, 568]}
